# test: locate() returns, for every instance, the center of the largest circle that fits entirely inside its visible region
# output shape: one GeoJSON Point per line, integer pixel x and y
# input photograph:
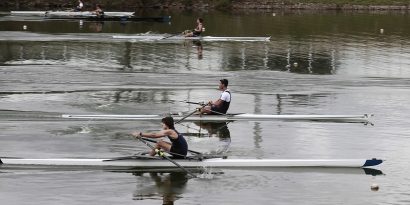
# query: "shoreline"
{"type": "Point", "coordinates": [204, 5]}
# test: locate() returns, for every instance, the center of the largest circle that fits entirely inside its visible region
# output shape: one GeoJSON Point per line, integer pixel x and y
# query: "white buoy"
{"type": "Point", "coordinates": [381, 31]}
{"type": "Point", "coordinates": [295, 64]}
{"type": "Point", "coordinates": [273, 14]}
{"type": "Point", "coordinates": [374, 187]}
{"type": "Point", "coordinates": [24, 27]}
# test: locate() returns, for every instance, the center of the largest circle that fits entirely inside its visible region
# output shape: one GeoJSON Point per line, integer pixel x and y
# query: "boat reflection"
{"type": "Point", "coordinates": [195, 44]}
{"type": "Point", "coordinates": [96, 26]}
{"type": "Point", "coordinates": [199, 48]}
{"type": "Point", "coordinates": [218, 130]}
{"type": "Point", "coordinates": [169, 186]}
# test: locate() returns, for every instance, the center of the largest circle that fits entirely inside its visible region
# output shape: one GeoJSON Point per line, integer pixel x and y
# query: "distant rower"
{"type": "Point", "coordinates": [220, 106]}
{"type": "Point", "coordinates": [80, 6]}
{"type": "Point", "coordinates": [197, 31]}
{"type": "Point", "coordinates": [178, 147]}
{"type": "Point", "coordinates": [98, 11]}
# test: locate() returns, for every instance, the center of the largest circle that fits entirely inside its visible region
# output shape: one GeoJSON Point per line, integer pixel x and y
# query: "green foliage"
{"type": "Point", "coordinates": [223, 4]}
{"type": "Point", "coordinates": [353, 2]}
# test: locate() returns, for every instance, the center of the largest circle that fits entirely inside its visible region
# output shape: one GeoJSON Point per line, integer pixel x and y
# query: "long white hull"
{"type": "Point", "coordinates": [214, 162]}
{"type": "Point", "coordinates": [66, 13]}
{"type": "Point", "coordinates": [230, 117]}
{"type": "Point", "coordinates": [202, 38]}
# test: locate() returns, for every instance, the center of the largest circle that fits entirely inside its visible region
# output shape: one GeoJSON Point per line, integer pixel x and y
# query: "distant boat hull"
{"type": "Point", "coordinates": [66, 13]}
{"type": "Point", "coordinates": [230, 117]}
{"type": "Point", "coordinates": [111, 18]}
{"type": "Point", "coordinates": [90, 16]}
{"type": "Point", "coordinates": [180, 37]}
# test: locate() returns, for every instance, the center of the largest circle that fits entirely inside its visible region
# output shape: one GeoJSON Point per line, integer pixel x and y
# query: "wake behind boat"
{"type": "Point", "coordinates": [228, 117]}
{"type": "Point", "coordinates": [181, 37]}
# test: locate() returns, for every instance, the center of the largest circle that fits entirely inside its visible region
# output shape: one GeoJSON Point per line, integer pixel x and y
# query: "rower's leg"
{"type": "Point", "coordinates": [164, 145]}
{"type": "Point", "coordinates": [206, 110]}
{"type": "Point", "coordinates": [152, 152]}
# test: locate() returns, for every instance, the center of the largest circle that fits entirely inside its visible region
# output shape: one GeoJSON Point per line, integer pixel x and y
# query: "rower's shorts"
{"type": "Point", "coordinates": [217, 111]}
{"type": "Point", "coordinates": [180, 154]}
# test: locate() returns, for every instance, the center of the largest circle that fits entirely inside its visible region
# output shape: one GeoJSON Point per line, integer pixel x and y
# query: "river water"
{"type": "Point", "coordinates": [315, 63]}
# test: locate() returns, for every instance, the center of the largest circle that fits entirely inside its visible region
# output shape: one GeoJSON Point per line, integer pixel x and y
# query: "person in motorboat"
{"type": "Point", "coordinates": [178, 147]}
{"type": "Point", "coordinates": [220, 106]}
{"type": "Point", "coordinates": [197, 31]}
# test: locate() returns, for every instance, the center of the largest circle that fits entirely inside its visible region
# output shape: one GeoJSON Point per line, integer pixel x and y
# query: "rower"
{"type": "Point", "coordinates": [178, 147]}
{"type": "Point", "coordinates": [197, 31]}
{"type": "Point", "coordinates": [98, 11]}
{"type": "Point", "coordinates": [79, 6]}
{"type": "Point", "coordinates": [220, 106]}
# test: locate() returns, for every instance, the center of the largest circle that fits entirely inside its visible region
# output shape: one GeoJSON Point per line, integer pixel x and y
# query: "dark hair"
{"type": "Point", "coordinates": [168, 121]}
{"type": "Point", "coordinates": [201, 20]}
{"type": "Point", "coordinates": [224, 82]}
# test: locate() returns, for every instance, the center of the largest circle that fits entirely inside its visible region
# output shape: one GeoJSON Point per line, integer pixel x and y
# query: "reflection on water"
{"type": "Point", "coordinates": [96, 26]}
{"type": "Point", "coordinates": [156, 56]}
{"type": "Point", "coordinates": [323, 57]}
{"type": "Point", "coordinates": [218, 130]}
{"type": "Point", "coordinates": [169, 186]}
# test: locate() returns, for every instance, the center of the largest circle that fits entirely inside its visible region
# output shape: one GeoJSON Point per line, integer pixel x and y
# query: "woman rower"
{"type": "Point", "coordinates": [178, 147]}
{"type": "Point", "coordinates": [98, 11]}
{"type": "Point", "coordinates": [197, 31]}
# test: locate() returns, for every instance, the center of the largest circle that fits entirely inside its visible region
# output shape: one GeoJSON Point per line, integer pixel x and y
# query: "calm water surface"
{"type": "Point", "coordinates": [320, 63]}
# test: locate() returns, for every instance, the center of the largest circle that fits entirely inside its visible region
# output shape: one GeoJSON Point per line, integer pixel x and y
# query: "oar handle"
{"type": "Point", "coordinates": [186, 116]}
{"type": "Point", "coordinates": [196, 103]}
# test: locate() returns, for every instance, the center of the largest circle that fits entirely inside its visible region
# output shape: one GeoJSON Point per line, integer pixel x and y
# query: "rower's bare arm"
{"type": "Point", "coordinates": [218, 102]}
{"type": "Point", "coordinates": [159, 134]}
{"type": "Point", "coordinates": [149, 135]}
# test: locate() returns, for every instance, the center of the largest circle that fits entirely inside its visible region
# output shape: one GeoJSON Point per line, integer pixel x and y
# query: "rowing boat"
{"type": "Point", "coordinates": [228, 117]}
{"type": "Point", "coordinates": [111, 18]}
{"type": "Point", "coordinates": [143, 161]}
{"type": "Point", "coordinates": [90, 16]}
{"type": "Point", "coordinates": [180, 37]}
{"type": "Point", "coordinates": [66, 13]}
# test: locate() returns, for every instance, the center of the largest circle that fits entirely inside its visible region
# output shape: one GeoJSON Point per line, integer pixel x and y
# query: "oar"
{"type": "Point", "coordinates": [196, 110]}
{"type": "Point", "coordinates": [172, 35]}
{"type": "Point", "coordinates": [203, 104]}
{"type": "Point", "coordinates": [160, 153]}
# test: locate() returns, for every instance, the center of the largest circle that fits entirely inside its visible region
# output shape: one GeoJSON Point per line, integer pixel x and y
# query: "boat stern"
{"type": "Point", "coordinates": [372, 162]}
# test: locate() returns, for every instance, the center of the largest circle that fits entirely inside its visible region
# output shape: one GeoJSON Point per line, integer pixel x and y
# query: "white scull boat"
{"type": "Point", "coordinates": [156, 162]}
{"type": "Point", "coordinates": [229, 117]}
{"type": "Point", "coordinates": [180, 37]}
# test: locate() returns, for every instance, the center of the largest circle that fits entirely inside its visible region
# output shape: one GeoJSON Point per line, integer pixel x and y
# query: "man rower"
{"type": "Point", "coordinates": [198, 30]}
{"type": "Point", "coordinates": [178, 147]}
{"type": "Point", "coordinates": [79, 6]}
{"type": "Point", "coordinates": [220, 106]}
